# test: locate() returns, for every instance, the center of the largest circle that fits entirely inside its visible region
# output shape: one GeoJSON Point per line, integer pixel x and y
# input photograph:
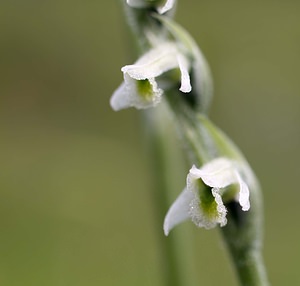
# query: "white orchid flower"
{"type": "Point", "coordinates": [168, 5]}
{"type": "Point", "coordinates": [140, 88]}
{"type": "Point", "coordinates": [202, 199]}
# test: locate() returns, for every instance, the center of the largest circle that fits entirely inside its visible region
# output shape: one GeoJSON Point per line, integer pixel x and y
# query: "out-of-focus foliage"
{"type": "Point", "coordinates": [75, 185]}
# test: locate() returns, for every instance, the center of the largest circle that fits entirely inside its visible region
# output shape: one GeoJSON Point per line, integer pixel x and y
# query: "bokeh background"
{"type": "Point", "coordinates": [75, 185]}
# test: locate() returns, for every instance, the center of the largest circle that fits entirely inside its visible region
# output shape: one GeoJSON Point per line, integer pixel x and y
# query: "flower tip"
{"type": "Point", "coordinates": [185, 77]}
{"type": "Point", "coordinates": [114, 103]}
{"type": "Point", "coordinates": [179, 211]}
{"type": "Point", "coordinates": [166, 228]}
{"type": "Point", "coordinates": [165, 8]}
{"type": "Point", "coordinates": [169, 222]}
{"type": "Point", "coordinates": [119, 99]}
{"type": "Point", "coordinates": [186, 88]}
{"type": "Point", "coordinates": [194, 171]}
{"type": "Point", "coordinates": [244, 194]}
{"type": "Point", "coordinates": [245, 206]}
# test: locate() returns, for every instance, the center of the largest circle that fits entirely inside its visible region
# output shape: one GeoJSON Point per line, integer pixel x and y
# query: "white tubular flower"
{"type": "Point", "coordinates": [140, 88]}
{"type": "Point", "coordinates": [169, 4]}
{"type": "Point", "coordinates": [202, 199]}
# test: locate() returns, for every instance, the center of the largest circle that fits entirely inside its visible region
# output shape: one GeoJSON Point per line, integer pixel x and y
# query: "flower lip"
{"type": "Point", "coordinates": [133, 93]}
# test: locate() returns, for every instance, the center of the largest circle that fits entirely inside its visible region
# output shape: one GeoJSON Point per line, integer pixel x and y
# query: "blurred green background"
{"type": "Point", "coordinates": [75, 185]}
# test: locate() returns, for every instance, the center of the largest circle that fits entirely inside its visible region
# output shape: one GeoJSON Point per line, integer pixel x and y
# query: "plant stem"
{"type": "Point", "coordinates": [167, 165]}
{"type": "Point", "coordinates": [249, 266]}
{"type": "Point", "coordinates": [169, 262]}
{"type": "Point", "coordinates": [243, 236]}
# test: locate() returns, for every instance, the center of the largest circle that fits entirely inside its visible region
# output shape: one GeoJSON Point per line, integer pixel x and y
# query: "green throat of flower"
{"type": "Point", "coordinates": [207, 201]}
{"type": "Point", "coordinates": [144, 89]}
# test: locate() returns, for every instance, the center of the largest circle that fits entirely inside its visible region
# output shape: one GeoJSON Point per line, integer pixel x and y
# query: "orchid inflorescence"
{"type": "Point", "coordinates": [221, 188]}
{"type": "Point", "coordinates": [219, 180]}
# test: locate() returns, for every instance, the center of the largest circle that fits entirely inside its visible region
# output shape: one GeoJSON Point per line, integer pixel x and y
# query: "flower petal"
{"type": "Point", "coordinates": [185, 77]}
{"type": "Point", "coordinates": [120, 98]}
{"type": "Point", "coordinates": [208, 216]}
{"type": "Point", "coordinates": [243, 194]}
{"type": "Point", "coordinates": [202, 83]}
{"type": "Point", "coordinates": [218, 173]}
{"type": "Point", "coordinates": [221, 209]}
{"type": "Point", "coordinates": [154, 63]}
{"type": "Point", "coordinates": [179, 211]}
{"type": "Point", "coordinates": [134, 93]}
{"type": "Point", "coordinates": [142, 96]}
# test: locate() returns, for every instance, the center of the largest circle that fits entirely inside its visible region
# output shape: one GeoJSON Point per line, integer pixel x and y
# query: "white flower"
{"type": "Point", "coordinates": [168, 5]}
{"type": "Point", "coordinates": [140, 88]}
{"type": "Point", "coordinates": [202, 199]}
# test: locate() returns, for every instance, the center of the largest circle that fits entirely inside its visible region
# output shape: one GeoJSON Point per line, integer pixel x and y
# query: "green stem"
{"type": "Point", "coordinates": [249, 268]}
{"type": "Point", "coordinates": [172, 257]}
{"type": "Point", "coordinates": [169, 260]}
{"type": "Point", "coordinates": [243, 236]}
